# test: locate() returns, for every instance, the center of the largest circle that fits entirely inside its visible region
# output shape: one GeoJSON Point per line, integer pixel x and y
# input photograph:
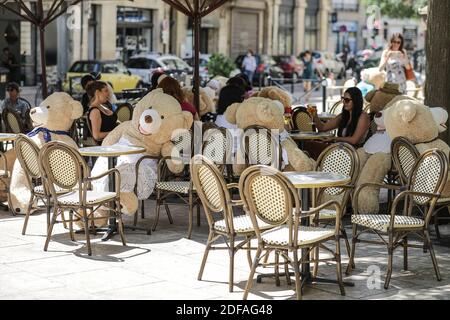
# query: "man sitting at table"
{"type": "Point", "coordinates": [17, 105]}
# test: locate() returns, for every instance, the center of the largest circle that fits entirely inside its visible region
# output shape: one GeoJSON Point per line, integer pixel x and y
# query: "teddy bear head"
{"type": "Point", "coordinates": [206, 103]}
{"type": "Point", "coordinates": [409, 118]}
{"type": "Point", "coordinates": [56, 112]}
{"type": "Point", "coordinates": [380, 98]}
{"type": "Point", "coordinates": [256, 111]}
{"type": "Point", "coordinates": [157, 115]}
{"type": "Point", "coordinates": [275, 93]}
{"type": "Point", "coordinates": [373, 76]}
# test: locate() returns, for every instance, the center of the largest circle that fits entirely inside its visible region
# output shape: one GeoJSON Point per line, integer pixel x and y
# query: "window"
{"type": "Point", "coordinates": [84, 67]}
{"type": "Point", "coordinates": [286, 30]}
{"type": "Point", "coordinates": [140, 63]}
{"type": "Point", "coordinates": [345, 5]}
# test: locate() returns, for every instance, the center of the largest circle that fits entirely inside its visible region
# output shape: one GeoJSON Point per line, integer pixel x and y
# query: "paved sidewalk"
{"type": "Point", "coordinates": [165, 265]}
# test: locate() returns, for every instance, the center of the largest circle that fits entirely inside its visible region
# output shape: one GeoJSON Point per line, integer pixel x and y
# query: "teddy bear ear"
{"type": "Point", "coordinates": [188, 119]}
{"type": "Point", "coordinates": [77, 109]}
{"type": "Point", "coordinates": [255, 94]}
{"type": "Point", "coordinates": [230, 113]}
{"type": "Point", "coordinates": [408, 112]}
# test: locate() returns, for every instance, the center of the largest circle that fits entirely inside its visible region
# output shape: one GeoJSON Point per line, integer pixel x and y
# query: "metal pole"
{"type": "Point", "coordinates": [40, 11]}
{"type": "Point", "coordinates": [197, 23]}
{"type": "Point", "coordinates": [324, 94]}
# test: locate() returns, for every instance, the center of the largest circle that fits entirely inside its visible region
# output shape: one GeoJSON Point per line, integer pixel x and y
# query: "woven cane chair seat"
{"type": "Point", "coordinates": [443, 200]}
{"type": "Point", "coordinates": [40, 190]}
{"type": "Point", "coordinates": [92, 197]}
{"type": "Point", "coordinates": [242, 224]}
{"type": "Point", "coordinates": [380, 222]}
{"type": "Point", "coordinates": [306, 235]}
{"type": "Point", "coordinates": [174, 186]}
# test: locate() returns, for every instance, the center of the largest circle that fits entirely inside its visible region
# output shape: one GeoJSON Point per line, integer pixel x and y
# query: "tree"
{"type": "Point", "coordinates": [437, 90]}
{"type": "Point", "coordinates": [220, 65]}
{"type": "Point", "coordinates": [398, 8]}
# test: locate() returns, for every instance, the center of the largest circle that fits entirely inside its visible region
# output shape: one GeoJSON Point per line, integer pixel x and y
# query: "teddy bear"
{"type": "Point", "coordinates": [378, 99]}
{"type": "Point", "coordinates": [156, 118]}
{"type": "Point", "coordinates": [371, 79]}
{"type": "Point", "coordinates": [267, 113]}
{"type": "Point", "coordinates": [206, 103]}
{"type": "Point", "coordinates": [275, 93]}
{"type": "Point", "coordinates": [52, 119]}
{"type": "Point", "coordinates": [408, 117]}
{"type": "Point", "coordinates": [402, 116]}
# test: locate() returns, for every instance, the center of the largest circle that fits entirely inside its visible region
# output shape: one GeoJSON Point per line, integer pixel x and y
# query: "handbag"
{"type": "Point", "coordinates": [409, 73]}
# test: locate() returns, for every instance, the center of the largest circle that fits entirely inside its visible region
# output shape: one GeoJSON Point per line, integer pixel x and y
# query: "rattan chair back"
{"type": "Point", "coordinates": [336, 108]}
{"type": "Point", "coordinates": [62, 166]}
{"type": "Point", "coordinates": [124, 112]}
{"type": "Point", "coordinates": [260, 146]}
{"type": "Point", "coordinates": [12, 121]}
{"type": "Point", "coordinates": [339, 158]}
{"type": "Point", "coordinates": [404, 155]}
{"type": "Point", "coordinates": [217, 145]}
{"type": "Point", "coordinates": [269, 196]}
{"type": "Point", "coordinates": [28, 155]}
{"type": "Point", "coordinates": [429, 175]}
{"type": "Point", "coordinates": [302, 121]}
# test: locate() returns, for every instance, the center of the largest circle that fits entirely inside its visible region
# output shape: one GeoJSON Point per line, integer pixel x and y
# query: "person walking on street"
{"type": "Point", "coordinates": [395, 61]}
{"type": "Point", "coordinates": [308, 73]}
{"type": "Point", "coordinates": [249, 65]}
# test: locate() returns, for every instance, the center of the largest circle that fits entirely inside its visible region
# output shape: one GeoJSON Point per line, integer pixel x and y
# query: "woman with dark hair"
{"type": "Point", "coordinates": [172, 87]}
{"type": "Point", "coordinates": [103, 120]}
{"type": "Point", "coordinates": [395, 60]}
{"type": "Point", "coordinates": [352, 124]}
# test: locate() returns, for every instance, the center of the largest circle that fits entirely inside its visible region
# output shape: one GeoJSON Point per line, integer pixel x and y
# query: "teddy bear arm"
{"type": "Point", "coordinates": [297, 158]}
{"type": "Point", "coordinates": [169, 150]}
{"type": "Point", "coordinates": [114, 136]}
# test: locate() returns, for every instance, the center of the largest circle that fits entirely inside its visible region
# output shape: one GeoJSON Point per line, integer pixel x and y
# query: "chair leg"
{"type": "Point", "coordinates": [136, 214]}
{"type": "Point", "coordinates": [27, 216]}
{"type": "Point", "coordinates": [191, 216]}
{"type": "Point", "coordinates": [277, 268]}
{"type": "Point", "coordinates": [249, 254]}
{"type": "Point", "coordinates": [433, 256]}
{"type": "Point", "coordinates": [63, 218]}
{"type": "Point", "coordinates": [351, 262]}
{"type": "Point", "coordinates": [338, 265]}
{"type": "Point", "coordinates": [347, 244]}
{"type": "Point", "coordinates": [316, 262]}
{"type": "Point", "coordinates": [436, 225]}
{"type": "Point", "coordinates": [50, 228]}
{"type": "Point", "coordinates": [390, 260]}
{"type": "Point", "coordinates": [198, 212]}
{"type": "Point", "coordinates": [205, 256]}
{"type": "Point", "coordinates": [86, 231]}
{"type": "Point", "coordinates": [120, 224]}
{"type": "Point", "coordinates": [231, 251]}
{"type": "Point", "coordinates": [249, 284]}
{"type": "Point", "coordinates": [142, 209]}
{"type": "Point", "coordinates": [286, 270]}
{"type": "Point", "coordinates": [166, 206]}
{"type": "Point", "coordinates": [47, 207]}
{"type": "Point", "coordinates": [72, 235]}
{"type": "Point", "coordinates": [158, 208]}
{"type": "Point", "coordinates": [405, 253]}
{"type": "Point", "coordinates": [298, 284]}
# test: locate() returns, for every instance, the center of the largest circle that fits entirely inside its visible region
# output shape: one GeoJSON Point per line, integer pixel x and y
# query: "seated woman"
{"type": "Point", "coordinates": [172, 87]}
{"type": "Point", "coordinates": [352, 124]}
{"type": "Point", "coordinates": [102, 119]}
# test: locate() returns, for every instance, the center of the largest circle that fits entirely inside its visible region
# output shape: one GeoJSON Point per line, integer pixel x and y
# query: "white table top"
{"type": "Point", "coordinates": [316, 179]}
{"type": "Point", "coordinates": [310, 135]}
{"type": "Point", "coordinates": [110, 151]}
{"type": "Point", "coordinates": [326, 116]}
{"type": "Point", "coordinates": [8, 136]}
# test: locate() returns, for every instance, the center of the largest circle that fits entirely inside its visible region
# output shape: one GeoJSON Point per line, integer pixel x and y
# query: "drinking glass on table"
{"type": "Point", "coordinates": [311, 109]}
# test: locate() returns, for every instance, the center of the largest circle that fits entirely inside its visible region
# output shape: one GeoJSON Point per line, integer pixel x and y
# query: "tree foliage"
{"type": "Point", "coordinates": [220, 65]}
{"type": "Point", "coordinates": [398, 8]}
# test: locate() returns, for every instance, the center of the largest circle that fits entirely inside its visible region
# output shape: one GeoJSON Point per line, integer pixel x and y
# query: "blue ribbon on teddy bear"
{"type": "Point", "coordinates": [47, 133]}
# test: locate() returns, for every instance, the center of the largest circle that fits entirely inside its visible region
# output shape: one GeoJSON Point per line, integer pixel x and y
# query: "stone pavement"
{"type": "Point", "coordinates": [165, 265]}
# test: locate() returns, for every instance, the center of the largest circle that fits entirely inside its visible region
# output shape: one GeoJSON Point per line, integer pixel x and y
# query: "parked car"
{"type": "Point", "coordinates": [145, 65]}
{"type": "Point", "coordinates": [204, 59]}
{"type": "Point", "coordinates": [327, 62]}
{"type": "Point", "coordinates": [292, 66]}
{"type": "Point", "coordinates": [266, 66]}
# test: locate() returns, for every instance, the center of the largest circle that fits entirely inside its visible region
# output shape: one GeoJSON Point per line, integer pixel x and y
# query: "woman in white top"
{"type": "Point", "coordinates": [395, 60]}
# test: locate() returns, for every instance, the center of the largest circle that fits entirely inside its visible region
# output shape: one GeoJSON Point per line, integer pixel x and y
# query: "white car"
{"type": "Point", "coordinates": [145, 65]}
{"type": "Point", "coordinates": [327, 62]}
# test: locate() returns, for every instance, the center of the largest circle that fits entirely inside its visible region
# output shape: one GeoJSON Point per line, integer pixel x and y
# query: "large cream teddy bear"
{"type": "Point", "coordinates": [409, 118]}
{"type": "Point", "coordinates": [52, 119]}
{"type": "Point", "coordinates": [403, 116]}
{"type": "Point", "coordinates": [277, 94]}
{"type": "Point", "coordinates": [206, 102]}
{"type": "Point", "coordinates": [265, 112]}
{"type": "Point", "coordinates": [156, 118]}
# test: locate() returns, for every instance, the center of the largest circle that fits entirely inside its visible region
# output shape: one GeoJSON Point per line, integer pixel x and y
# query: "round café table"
{"type": "Point", "coordinates": [325, 116]}
{"type": "Point", "coordinates": [308, 136]}
{"type": "Point", "coordinates": [304, 181]}
{"type": "Point", "coordinates": [111, 152]}
{"type": "Point", "coordinates": [6, 137]}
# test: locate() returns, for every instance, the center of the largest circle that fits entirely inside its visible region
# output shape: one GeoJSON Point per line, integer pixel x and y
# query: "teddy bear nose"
{"type": "Point", "coordinates": [148, 119]}
{"type": "Point", "coordinates": [378, 115]}
{"type": "Point", "coordinates": [32, 111]}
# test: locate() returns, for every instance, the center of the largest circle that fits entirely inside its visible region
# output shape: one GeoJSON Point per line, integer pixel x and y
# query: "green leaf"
{"type": "Point", "coordinates": [220, 65]}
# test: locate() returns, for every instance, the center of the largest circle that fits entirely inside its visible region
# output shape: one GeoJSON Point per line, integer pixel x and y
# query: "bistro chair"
{"type": "Point", "coordinates": [336, 108]}
{"type": "Point", "coordinates": [28, 155]}
{"type": "Point", "coordinates": [5, 179]}
{"type": "Point", "coordinates": [302, 121]}
{"type": "Point", "coordinates": [282, 212]}
{"type": "Point", "coordinates": [124, 112]}
{"type": "Point", "coordinates": [179, 185]}
{"type": "Point", "coordinates": [337, 158]}
{"type": "Point", "coordinates": [218, 205]}
{"type": "Point", "coordinates": [404, 155]}
{"type": "Point", "coordinates": [217, 147]}
{"type": "Point", "coordinates": [63, 167]}
{"type": "Point", "coordinates": [425, 184]}
{"type": "Point", "coordinates": [13, 124]}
